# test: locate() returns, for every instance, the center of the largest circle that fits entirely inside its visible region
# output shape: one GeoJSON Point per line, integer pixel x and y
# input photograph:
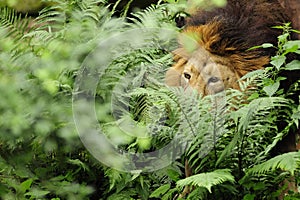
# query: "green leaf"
{"type": "Point", "coordinates": [37, 193]}
{"type": "Point", "coordinates": [278, 61]}
{"type": "Point", "coordinates": [246, 114]}
{"type": "Point", "coordinates": [254, 47]}
{"type": "Point", "coordinates": [249, 197]}
{"type": "Point", "coordinates": [78, 163]}
{"type": "Point", "coordinates": [291, 44]}
{"type": "Point", "coordinates": [278, 27]}
{"type": "Point", "coordinates": [294, 65]}
{"type": "Point", "coordinates": [26, 185]}
{"type": "Point", "coordinates": [228, 149]}
{"type": "Point", "coordinates": [286, 162]}
{"type": "Point", "coordinates": [283, 38]}
{"type": "Point", "coordinates": [296, 116]}
{"type": "Point", "coordinates": [271, 89]}
{"type": "Point", "coordinates": [290, 49]}
{"type": "Point", "coordinates": [267, 45]}
{"type": "Point", "coordinates": [173, 174]}
{"type": "Point", "coordinates": [259, 186]}
{"type": "Point", "coordinates": [170, 194]}
{"type": "Point", "coordinates": [207, 180]}
{"type": "Point", "coordinates": [160, 191]}
{"type": "Point", "coordinates": [135, 174]}
{"type": "Point", "coordinates": [255, 95]}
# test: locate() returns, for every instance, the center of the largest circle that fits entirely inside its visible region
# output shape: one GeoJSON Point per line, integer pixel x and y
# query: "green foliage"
{"type": "Point", "coordinates": [286, 162]}
{"type": "Point", "coordinates": [208, 179]}
{"type": "Point", "coordinates": [24, 6]}
{"type": "Point", "coordinates": [229, 139]}
{"type": "Point", "coordinates": [207, 4]}
{"type": "Point", "coordinates": [13, 23]}
{"type": "Point", "coordinates": [40, 152]}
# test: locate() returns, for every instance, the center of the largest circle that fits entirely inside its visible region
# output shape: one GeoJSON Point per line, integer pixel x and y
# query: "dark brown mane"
{"type": "Point", "coordinates": [244, 24]}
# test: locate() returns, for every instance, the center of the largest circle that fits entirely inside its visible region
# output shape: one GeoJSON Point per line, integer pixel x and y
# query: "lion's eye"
{"type": "Point", "coordinates": [187, 75]}
{"type": "Point", "coordinates": [213, 79]}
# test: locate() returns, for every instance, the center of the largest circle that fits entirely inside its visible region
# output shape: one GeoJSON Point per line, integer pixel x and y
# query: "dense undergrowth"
{"type": "Point", "coordinates": [230, 142]}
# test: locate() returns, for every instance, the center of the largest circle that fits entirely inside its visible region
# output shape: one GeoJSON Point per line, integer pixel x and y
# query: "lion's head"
{"type": "Point", "coordinates": [221, 40]}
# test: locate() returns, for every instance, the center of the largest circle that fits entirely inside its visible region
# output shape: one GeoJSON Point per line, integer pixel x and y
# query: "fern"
{"type": "Point", "coordinates": [287, 162]}
{"type": "Point", "coordinates": [156, 16]}
{"type": "Point", "coordinates": [15, 25]}
{"type": "Point", "coordinates": [208, 179]}
{"type": "Point", "coordinates": [160, 191]}
{"type": "Point", "coordinates": [252, 119]}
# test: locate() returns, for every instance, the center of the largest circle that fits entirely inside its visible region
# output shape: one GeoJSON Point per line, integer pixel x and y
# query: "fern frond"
{"type": "Point", "coordinates": [287, 162]}
{"type": "Point", "coordinates": [155, 16]}
{"type": "Point", "coordinates": [14, 23]}
{"type": "Point", "coordinates": [244, 116]}
{"type": "Point", "coordinates": [228, 149]}
{"type": "Point", "coordinates": [252, 119]}
{"type": "Point", "coordinates": [50, 16]}
{"type": "Point", "coordinates": [66, 17]}
{"type": "Point", "coordinates": [199, 193]}
{"type": "Point", "coordinates": [160, 191]}
{"type": "Point", "coordinates": [207, 180]}
{"type": "Point", "coordinates": [14, 27]}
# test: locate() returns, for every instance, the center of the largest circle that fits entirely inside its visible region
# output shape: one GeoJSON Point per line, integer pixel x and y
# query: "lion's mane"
{"type": "Point", "coordinates": [231, 31]}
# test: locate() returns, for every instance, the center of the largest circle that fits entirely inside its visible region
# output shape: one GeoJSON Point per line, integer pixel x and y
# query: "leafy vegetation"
{"type": "Point", "coordinates": [229, 140]}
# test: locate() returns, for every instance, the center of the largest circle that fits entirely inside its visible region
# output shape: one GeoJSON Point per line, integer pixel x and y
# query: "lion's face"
{"type": "Point", "coordinates": [207, 70]}
{"type": "Point", "coordinates": [202, 72]}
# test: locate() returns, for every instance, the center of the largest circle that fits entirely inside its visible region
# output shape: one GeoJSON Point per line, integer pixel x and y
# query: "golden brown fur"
{"type": "Point", "coordinates": [222, 39]}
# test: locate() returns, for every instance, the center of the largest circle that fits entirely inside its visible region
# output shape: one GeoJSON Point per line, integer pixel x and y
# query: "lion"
{"type": "Point", "coordinates": [224, 37]}
{"type": "Point", "coordinates": [216, 47]}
